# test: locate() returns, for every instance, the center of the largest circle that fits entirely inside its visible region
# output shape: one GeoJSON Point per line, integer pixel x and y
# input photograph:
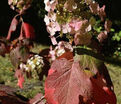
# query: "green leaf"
{"type": "Point", "coordinates": [90, 61]}
{"type": "Point", "coordinates": [112, 30]}
{"type": "Point", "coordinates": [120, 34]}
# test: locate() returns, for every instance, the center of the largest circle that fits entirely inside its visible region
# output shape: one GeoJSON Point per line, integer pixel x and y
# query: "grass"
{"type": "Point", "coordinates": [33, 86]}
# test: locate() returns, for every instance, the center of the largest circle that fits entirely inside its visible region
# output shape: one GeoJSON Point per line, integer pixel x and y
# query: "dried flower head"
{"type": "Point", "coordinates": [20, 5]}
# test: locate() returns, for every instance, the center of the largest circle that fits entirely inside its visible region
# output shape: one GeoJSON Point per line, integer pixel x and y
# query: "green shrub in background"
{"type": "Point", "coordinates": [112, 46]}
{"type": "Point", "coordinates": [117, 38]}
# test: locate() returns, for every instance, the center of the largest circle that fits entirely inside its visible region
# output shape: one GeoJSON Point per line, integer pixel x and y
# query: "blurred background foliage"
{"type": "Point", "coordinates": [35, 15]}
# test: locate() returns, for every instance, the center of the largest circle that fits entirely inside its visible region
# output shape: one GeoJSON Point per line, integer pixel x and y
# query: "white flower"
{"type": "Point", "coordinates": [74, 6]}
{"type": "Point", "coordinates": [39, 66]}
{"type": "Point", "coordinates": [45, 1]}
{"type": "Point", "coordinates": [47, 5]}
{"type": "Point", "coordinates": [50, 5]}
{"type": "Point", "coordinates": [37, 63]}
{"type": "Point", "coordinates": [60, 52]}
{"type": "Point", "coordinates": [26, 68]}
{"type": "Point", "coordinates": [42, 63]}
{"type": "Point", "coordinates": [28, 61]}
{"type": "Point", "coordinates": [57, 26]}
{"type": "Point", "coordinates": [46, 20]}
{"type": "Point", "coordinates": [47, 8]}
{"type": "Point", "coordinates": [66, 28]}
{"type": "Point", "coordinates": [31, 63]}
{"type": "Point", "coordinates": [52, 25]}
{"type": "Point", "coordinates": [21, 66]}
{"type": "Point", "coordinates": [33, 66]}
{"type": "Point", "coordinates": [52, 54]}
{"type": "Point", "coordinates": [53, 17]}
{"type": "Point", "coordinates": [36, 56]}
{"type": "Point", "coordinates": [88, 28]}
{"type": "Point", "coordinates": [39, 60]}
{"type": "Point", "coordinates": [52, 1]}
{"type": "Point", "coordinates": [51, 30]}
{"type": "Point", "coordinates": [31, 58]}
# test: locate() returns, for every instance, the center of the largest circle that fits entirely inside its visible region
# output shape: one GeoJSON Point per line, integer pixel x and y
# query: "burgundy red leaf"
{"type": "Point", "coordinates": [66, 84]}
{"type": "Point", "coordinates": [69, 83]}
{"type": "Point", "coordinates": [27, 31]}
{"type": "Point", "coordinates": [68, 55]}
{"type": "Point", "coordinates": [13, 27]}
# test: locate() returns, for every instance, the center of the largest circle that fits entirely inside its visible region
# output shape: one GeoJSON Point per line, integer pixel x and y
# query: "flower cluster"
{"type": "Point", "coordinates": [73, 17]}
{"type": "Point", "coordinates": [32, 68]}
{"type": "Point", "coordinates": [60, 49]}
{"type": "Point", "coordinates": [19, 5]}
{"type": "Point", "coordinates": [34, 63]}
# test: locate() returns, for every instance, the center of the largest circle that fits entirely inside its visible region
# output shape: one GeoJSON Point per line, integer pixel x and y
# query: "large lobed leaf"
{"type": "Point", "coordinates": [69, 83]}
{"type": "Point", "coordinates": [66, 85]}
